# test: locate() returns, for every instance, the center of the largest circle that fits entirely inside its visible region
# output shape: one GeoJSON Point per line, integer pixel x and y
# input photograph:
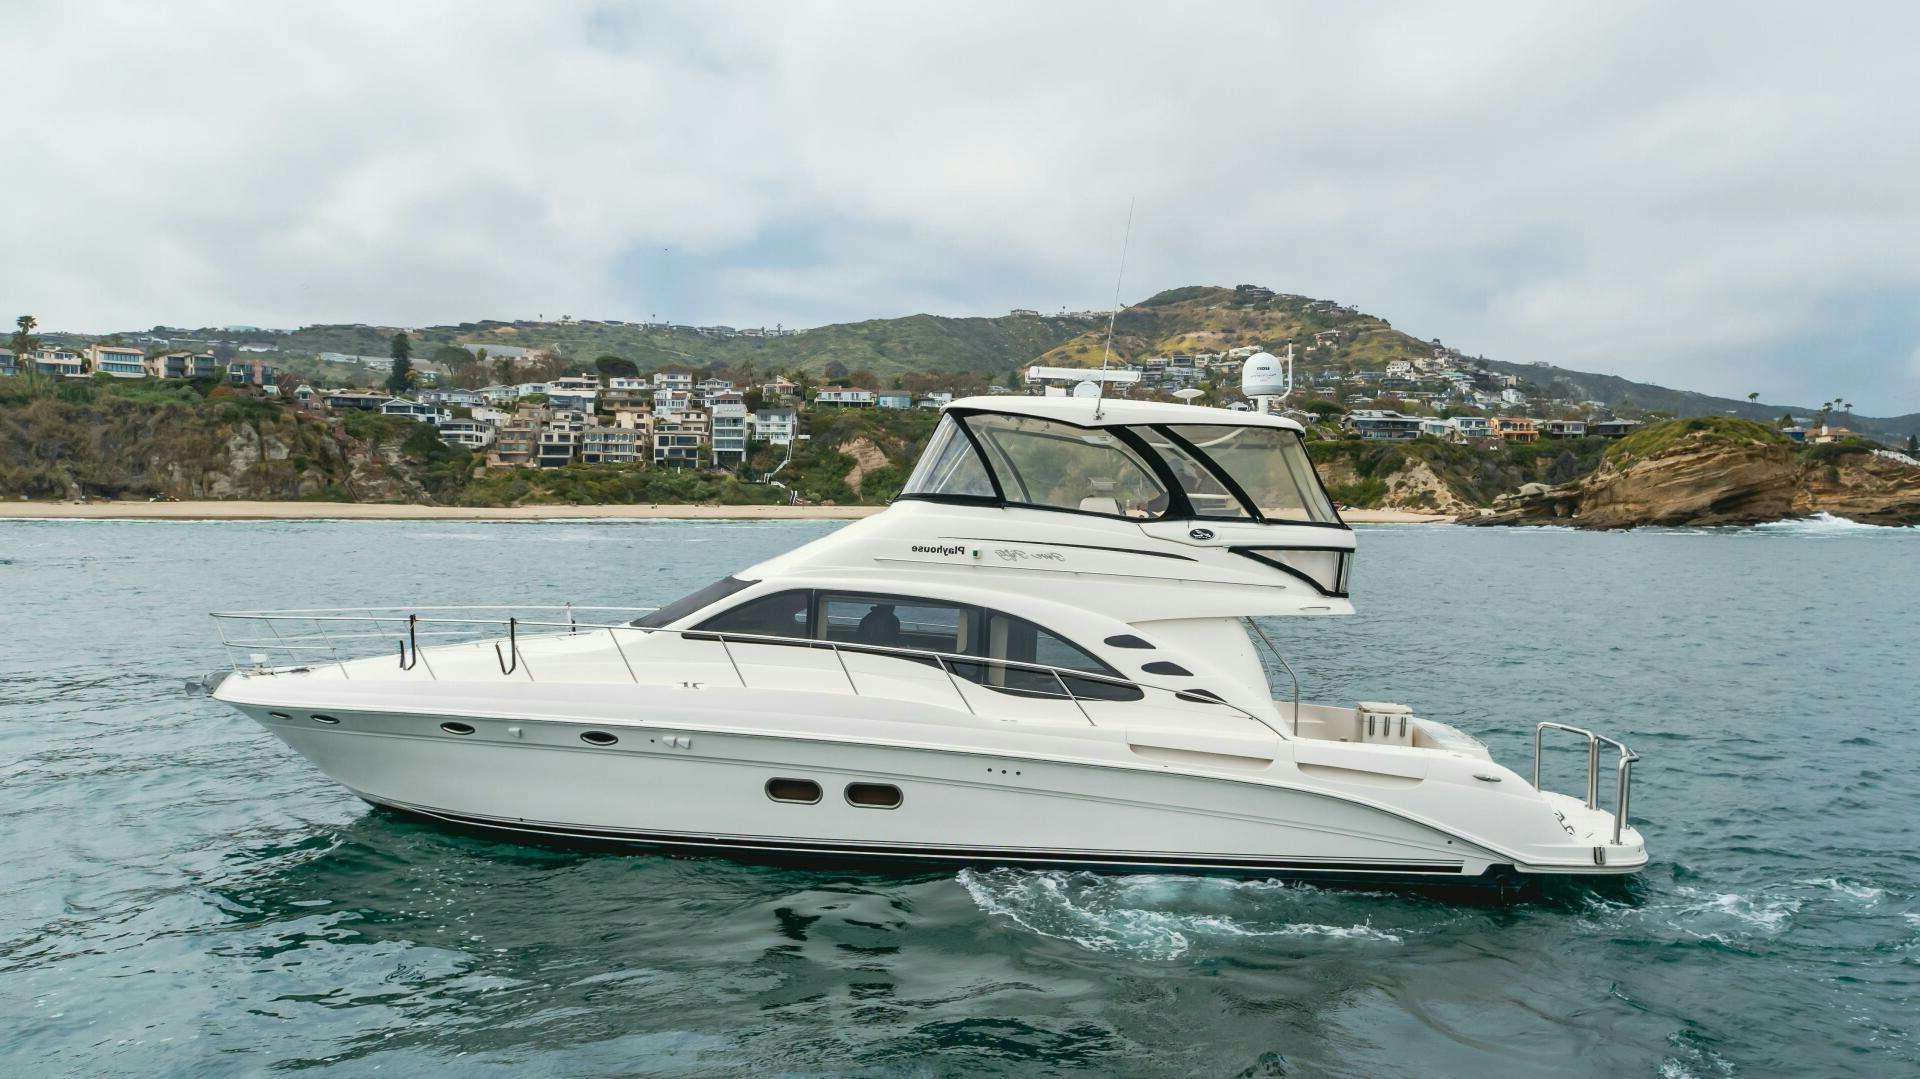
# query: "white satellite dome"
{"type": "Point", "coordinates": [1264, 376]}
{"type": "Point", "coordinates": [1088, 388]}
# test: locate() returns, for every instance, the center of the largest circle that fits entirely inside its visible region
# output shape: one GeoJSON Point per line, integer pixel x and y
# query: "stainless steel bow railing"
{"type": "Point", "coordinates": [1627, 757]}
{"type": "Point", "coordinates": [322, 633]}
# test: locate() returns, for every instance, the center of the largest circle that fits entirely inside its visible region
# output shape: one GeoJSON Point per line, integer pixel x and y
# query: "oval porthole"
{"type": "Point", "coordinates": [457, 728]}
{"type": "Point", "coordinates": [1127, 640]}
{"type": "Point", "coordinates": [328, 720]}
{"type": "Point", "coordinates": [1200, 696]}
{"type": "Point", "coordinates": [597, 738]}
{"type": "Point", "coordinates": [1161, 666]}
{"type": "Point", "coordinates": [873, 795]}
{"type": "Point", "coordinates": [278, 715]}
{"type": "Point", "coordinates": [802, 791]}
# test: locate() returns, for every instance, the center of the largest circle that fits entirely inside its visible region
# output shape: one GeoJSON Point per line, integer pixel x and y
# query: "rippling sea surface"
{"type": "Point", "coordinates": [181, 894]}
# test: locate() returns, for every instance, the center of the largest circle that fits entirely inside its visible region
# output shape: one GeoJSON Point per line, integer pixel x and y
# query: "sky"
{"type": "Point", "coordinates": [1710, 196]}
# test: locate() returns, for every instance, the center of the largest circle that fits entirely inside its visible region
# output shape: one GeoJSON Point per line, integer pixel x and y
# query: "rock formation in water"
{"type": "Point", "coordinates": [1720, 472]}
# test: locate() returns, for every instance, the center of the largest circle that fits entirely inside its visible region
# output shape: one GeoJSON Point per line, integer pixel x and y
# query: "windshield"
{"type": "Point", "coordinates": [1042, 463]}
{"type": "Point", "coordinates": [1221, 471]}
{"type": "Point", "coordinates": [1270, 464]}
{"type": "Point", "coordinates": [949, 466]}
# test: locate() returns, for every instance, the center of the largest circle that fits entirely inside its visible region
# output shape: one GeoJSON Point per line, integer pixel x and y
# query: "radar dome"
{"type": "Point", "coordinates": [1263, 376]}
{"type": "Point", "coordinates": [1088, 388]}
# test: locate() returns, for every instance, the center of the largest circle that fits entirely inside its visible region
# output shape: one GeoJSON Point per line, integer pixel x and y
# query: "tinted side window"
{"type": "Point", "coordinates": [1022, 641]}
{"type": "Point", "coordinates": [688, 604]}
{"type": "Point", "coordinates": [783, 614]}
{"type": "Point", "coordinates": [895, 622]}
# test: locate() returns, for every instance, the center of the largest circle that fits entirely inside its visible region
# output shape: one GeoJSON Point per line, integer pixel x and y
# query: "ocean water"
{"type": "Point", "coordinates": [180, 894]}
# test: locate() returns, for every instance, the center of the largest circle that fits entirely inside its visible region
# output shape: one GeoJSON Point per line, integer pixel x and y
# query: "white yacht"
{"type": "Point", "coordinates": [1043, 653]}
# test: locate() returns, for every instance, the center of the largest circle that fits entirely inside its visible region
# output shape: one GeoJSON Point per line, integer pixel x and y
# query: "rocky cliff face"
{"type": "Point", "coordinates": [1717, 476]}
{"type": "Point", "coordinates": [52, 448]}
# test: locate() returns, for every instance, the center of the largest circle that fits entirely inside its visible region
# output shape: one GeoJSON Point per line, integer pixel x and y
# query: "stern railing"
{"type": "Point", "coordinates": [1625, 768]}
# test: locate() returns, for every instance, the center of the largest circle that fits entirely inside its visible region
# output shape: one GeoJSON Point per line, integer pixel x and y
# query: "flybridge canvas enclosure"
{"type": "Point", "coordinates": [1142, 471]}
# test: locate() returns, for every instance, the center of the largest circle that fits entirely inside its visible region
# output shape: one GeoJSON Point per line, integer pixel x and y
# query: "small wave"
{"type": "Point", "coordinates": [1768, 916]}
{"type": "Point", "coordinates": [1109, 914]}
{"type": "Point", "coordinates": [1864, 893]}
{"type": "Point", "coordinates": [1820, 524]}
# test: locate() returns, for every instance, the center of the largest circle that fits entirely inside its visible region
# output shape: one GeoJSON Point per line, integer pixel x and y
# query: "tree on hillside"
{"type": "Point", "coordinates": [504, 370]}
{"type": "Point", "coordinates": [1786, 419]}
{"type": "Point", "coordinates": [25, 344]}
{"type": "Point", "coordinates": [615, 367]}
{"type": "Point", "coordinates": [400, 379]}
{"type": "Point", "coordinates": [1913, 444]}
{"type": "Point", "coordinates": [1753, 397]}
{"type": "Point", "coordinates": [834, 370]}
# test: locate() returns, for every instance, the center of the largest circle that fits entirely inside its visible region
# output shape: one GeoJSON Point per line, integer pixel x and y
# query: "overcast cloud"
{"type": "Point", "coordinates": [1720, 198]}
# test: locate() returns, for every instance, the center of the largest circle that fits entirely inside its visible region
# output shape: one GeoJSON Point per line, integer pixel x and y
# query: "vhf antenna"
{"type": "Point", "coordinates": [1100, 392]}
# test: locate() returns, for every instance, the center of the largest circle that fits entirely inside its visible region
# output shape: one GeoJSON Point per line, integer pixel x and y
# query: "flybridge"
{"type": "Point", "coordinates": [1137, 461]}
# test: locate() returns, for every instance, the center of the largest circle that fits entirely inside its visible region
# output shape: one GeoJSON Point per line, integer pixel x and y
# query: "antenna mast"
{"type": "Point", "coordinates": [1100, 398]}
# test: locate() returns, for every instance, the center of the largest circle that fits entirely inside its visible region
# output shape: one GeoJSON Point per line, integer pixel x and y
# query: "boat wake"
{"type": "Point", "coordinates": [1152, 917]}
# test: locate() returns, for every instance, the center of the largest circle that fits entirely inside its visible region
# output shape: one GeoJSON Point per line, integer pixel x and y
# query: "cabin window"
{"type": "Point", "coordinates": [873, 795]}
{"type": "Point", "coordinates": [950, 466]}
{"type": "Point", "coordinates": [1020, 641]}
{"type": "Point", "coordinates": [800, 791]}
{"type": "Point", "coordinates": [692, 603]}
{"type": "Point", "coordinates": [895, 622]}
{"type": "Point", "coordinates": [782, 614]}
{"type": "Point", "coordinates": [1268, 463]}
{"type": "Point", "coordinates": [1205, 493]}
{"type": "Point", "coordinates": [1042, 463]}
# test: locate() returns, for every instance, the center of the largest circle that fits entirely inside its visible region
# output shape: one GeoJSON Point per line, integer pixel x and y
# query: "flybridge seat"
{"type": "Point", "coordinates": [1135, 460]}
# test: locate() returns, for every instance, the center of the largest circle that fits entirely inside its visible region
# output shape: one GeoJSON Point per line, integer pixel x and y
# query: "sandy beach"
{"type": "Point", "coordinates": [368, 511]}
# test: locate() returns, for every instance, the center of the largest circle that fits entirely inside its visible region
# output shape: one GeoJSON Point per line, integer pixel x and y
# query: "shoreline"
{"type": "Point", "coordinates": [375, 511]}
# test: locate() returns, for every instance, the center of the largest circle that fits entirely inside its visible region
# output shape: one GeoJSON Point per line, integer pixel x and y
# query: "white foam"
{"type": "Point", "coordinates": [1768, 916]}
{"type": "Point", "coordinates": [1820, 524]}
{"type": "Point", "coordinates": [1118, 914]}
{"type": "Point", "coordinates": [1864, 893]}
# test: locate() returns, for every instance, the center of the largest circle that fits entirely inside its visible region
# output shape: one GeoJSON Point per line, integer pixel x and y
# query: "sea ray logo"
{"type": "Point", "coordinates": [938, 548]}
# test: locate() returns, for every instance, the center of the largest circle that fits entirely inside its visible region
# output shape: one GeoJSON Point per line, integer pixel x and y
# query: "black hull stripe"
{"type": "Point", "coordinates": [937, 854]}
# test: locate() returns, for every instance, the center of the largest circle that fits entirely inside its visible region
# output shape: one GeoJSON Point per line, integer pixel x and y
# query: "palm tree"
{"type": "Point", "coordinates": [25, 344]}
{"type": "Point", "coordinates": [1753, 396]}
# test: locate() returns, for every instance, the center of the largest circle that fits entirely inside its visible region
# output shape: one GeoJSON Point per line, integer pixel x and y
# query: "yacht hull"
{"type": "Point", "coordinates": [703, 791]}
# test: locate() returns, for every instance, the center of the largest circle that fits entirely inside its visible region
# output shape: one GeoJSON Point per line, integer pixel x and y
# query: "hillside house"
{"type": "Point", "coordinates": [612, 446]}
{"type": "Point", "coordinates": [679, 439]}
{"type": "Point", "coordinates": [1382, 425]}
{"type": "Point", "coordinates": [1612, 428]}
{"type": "Point", "coordinates": [1564, 428]}
{"type": "Point", "coordinates": [845, 397]}
{"type": "Point", "coordinates": [727, 430]}
{"type": "Point", "coordinates": [120, 361]}
{"type": "Point", "coordinates": [894, 399]}
{"type": "Point", "coordinates": [1515, 428]}
{"type": "Point", "coordinates": [774, 426]}
{"type": "Point", "coordinates": [60, 362]}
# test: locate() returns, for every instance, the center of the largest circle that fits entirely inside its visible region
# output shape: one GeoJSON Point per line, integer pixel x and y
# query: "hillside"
{"type": "Point", "coordinates": [1196, 318]}
{"type": "Point", "coordinates": [1622, 393]}
{"type": "Point", "coordinates": [1211, 318]}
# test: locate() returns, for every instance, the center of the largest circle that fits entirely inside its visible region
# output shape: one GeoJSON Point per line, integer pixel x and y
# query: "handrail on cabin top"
{"type": "Point", "coordinates": [317, 615]}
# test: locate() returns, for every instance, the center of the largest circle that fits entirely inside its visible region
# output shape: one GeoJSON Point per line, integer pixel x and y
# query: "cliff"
{"type": "Point", "coordinates": [1720, 472]}
{"type": "Point", "coordinates": [143, 441]}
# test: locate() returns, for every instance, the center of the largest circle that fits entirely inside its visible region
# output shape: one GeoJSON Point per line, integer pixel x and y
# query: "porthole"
{"type": "Point", "coordinates": [597, 738]}
{"type": "Point", "coordinates": [1161, 666]}
{"type": "Point", "coordinates": [1127, 640]}
{"type": "Point", "coordinates": [278, 715]}
{"type": "Point", "coordinates": [328, 720]}
{"type": "Point", "coordinates": [800, 791]}
{"type": "Point", "coordinates": [873, 795]}
{"type": "Point", "coordinates": [1200, 696]}
{"type": "Point", "coordinates": [457, 728]}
